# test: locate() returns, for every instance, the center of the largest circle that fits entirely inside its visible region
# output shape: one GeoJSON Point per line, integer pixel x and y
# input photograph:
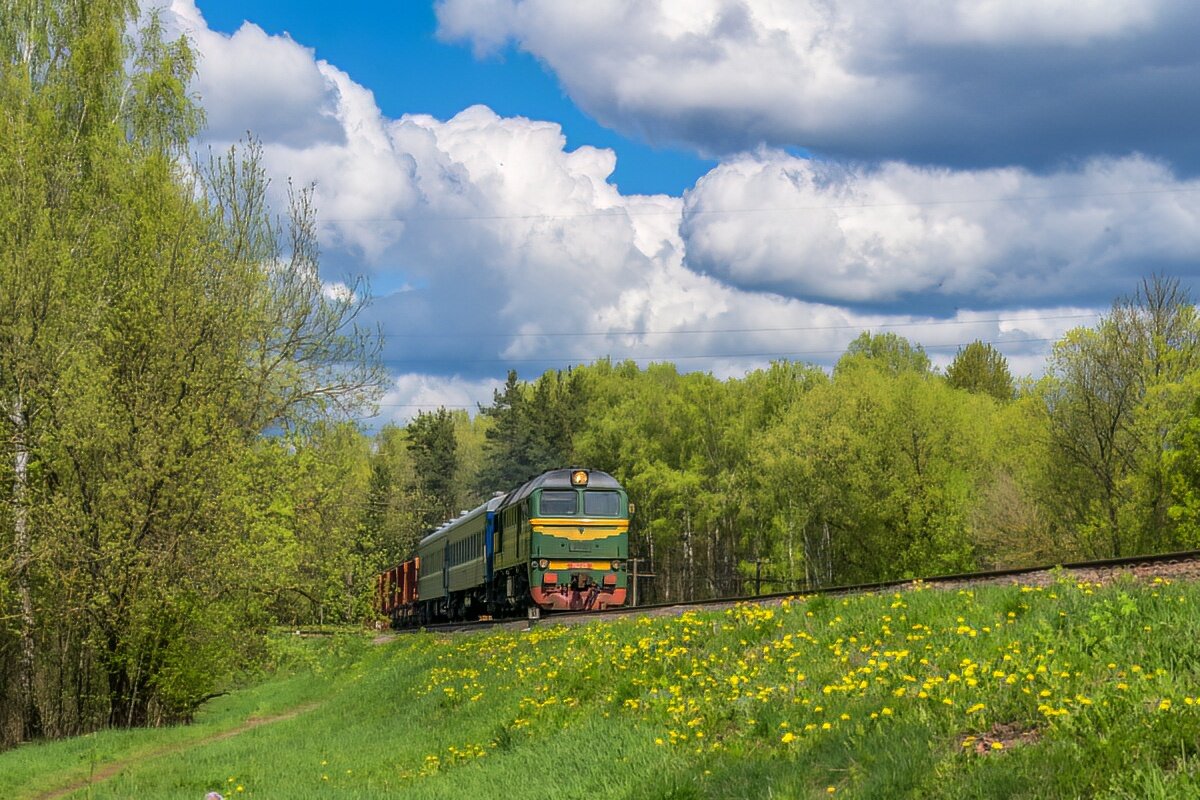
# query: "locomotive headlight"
{"type": "Point", "coordinates": [579, 477]}
{"type": "Point", "coordinates": [543, 563]}
{"type": "Point", "coordinates": [616, 565]}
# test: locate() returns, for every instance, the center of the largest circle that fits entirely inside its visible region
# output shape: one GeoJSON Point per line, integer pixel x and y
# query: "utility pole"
{"type": "Point", "coordinates": [635, 575]}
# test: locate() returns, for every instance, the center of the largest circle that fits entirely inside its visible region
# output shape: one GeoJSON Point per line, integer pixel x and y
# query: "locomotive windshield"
{"type": "Point", "coordinates": [559, 504]}
{"type": "Point", "coordinates": [601, 504]}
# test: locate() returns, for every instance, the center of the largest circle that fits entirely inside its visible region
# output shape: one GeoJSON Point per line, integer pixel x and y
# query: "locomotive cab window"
{"type": "Point", "coordinates": [559, 504]}
{"type": "Point", "coordinates": [601, 504]}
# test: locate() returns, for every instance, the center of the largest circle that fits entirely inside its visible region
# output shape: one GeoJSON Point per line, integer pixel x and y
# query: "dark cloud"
{"type": "Point", "coordinates": [951, 82]}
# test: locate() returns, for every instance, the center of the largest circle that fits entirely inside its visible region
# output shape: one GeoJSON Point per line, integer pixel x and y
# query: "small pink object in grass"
{"type": "Point", "coordinates": [213, 796]}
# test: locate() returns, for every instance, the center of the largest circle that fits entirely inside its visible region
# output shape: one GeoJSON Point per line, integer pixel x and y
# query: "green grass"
{"type": "Point", "coordinates": [1087, 691]}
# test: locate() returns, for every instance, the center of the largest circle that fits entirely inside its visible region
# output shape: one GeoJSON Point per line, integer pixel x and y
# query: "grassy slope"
{"type": "Point", "coordinates": [1069, 691]}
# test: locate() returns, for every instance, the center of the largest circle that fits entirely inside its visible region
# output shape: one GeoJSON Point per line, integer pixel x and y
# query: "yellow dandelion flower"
{"type": "Point", "coordinates": [788, 738]}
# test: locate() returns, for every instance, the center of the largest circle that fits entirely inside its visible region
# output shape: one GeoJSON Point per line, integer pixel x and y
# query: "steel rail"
{"type": "Point", "coordinates": [854, 588]}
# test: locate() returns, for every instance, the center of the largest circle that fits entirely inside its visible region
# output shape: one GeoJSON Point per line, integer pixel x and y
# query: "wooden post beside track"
{"type": "Point", "coordinates": [635, 576]}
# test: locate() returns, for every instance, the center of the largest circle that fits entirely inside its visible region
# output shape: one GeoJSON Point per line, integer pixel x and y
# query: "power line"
{"type": "Point", "coordinates": [628, 212]}
{"type": "Point", "coordinates": [797, 328]}
{"type": "Point", "coordinates": [692, 357]}
{"type": "Point", "coordinates": [582, 360]}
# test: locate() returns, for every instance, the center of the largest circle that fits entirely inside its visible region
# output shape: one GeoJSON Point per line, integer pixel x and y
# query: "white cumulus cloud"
{"type": "Point", "coordinates": [936, 81]}
{"type": "Point", "coordinates": [491, 244]}
{"type": "Point", "coordinates": [898, 233]}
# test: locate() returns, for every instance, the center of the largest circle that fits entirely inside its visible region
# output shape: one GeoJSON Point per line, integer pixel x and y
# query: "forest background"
{"type": "Point", "coordinates": [181, 470]}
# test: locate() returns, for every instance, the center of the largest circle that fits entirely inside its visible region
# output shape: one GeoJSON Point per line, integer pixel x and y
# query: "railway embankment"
{"type": "Point", "coordinates": [1063, 687]}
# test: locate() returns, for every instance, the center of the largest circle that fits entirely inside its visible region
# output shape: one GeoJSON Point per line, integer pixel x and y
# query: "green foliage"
{"type": "Point", "coordinates": [1181, 468]}
{"type": "Point", "coordinates": [155, 322]}
{"type": "Point", "coordinates": [532, 430]}
{"type": "Point", "coordinates": [889, 352]}
{"type": "Point", "coordinates": [433, 446]}
{"type": "Point", "coordinates": [981, 368]}
{"type": "Point", "coordinates": [1115, 399]}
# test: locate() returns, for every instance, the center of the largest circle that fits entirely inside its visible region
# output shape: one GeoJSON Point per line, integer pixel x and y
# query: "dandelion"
{"type": "Point", "coordinates": [976, 707]}
{"type": "Point", "coordinates": [788, 738]}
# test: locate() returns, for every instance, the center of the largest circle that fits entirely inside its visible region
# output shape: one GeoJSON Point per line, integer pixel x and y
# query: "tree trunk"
{"type": "Point", "coordinates": [688, 558]}
{"type": "Point", "coordinates": [31, 723]}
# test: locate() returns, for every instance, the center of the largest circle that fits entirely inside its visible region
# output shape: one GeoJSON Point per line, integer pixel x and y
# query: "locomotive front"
{"type": "Point", "coordinates": [579, 541]}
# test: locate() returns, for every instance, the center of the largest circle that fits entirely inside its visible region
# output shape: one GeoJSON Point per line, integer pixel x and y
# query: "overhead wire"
{"type": "Point", "coordinates": [781, 329]}
{"type": "Point", "coordinates": [620, 212]}
{"type": "Point", "coordinates": [773, 355]}
{"type": "Point", "coordinates": [688, 357]}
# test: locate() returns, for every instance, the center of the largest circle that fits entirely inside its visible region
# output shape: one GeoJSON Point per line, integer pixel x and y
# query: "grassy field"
{"type": "Point", "coordinates": [1064, 691]}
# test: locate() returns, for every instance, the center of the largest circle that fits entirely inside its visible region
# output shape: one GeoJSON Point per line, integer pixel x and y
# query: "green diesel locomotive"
{"type": "Point", "coordinates": [559, 542]}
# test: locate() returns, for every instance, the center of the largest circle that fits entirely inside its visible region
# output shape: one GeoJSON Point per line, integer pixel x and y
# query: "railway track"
{"type": "Point", "coordinates": [1184, 565]}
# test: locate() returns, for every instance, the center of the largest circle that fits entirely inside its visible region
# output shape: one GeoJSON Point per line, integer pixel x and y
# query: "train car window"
{"type": "Point", "coordinates": [601, 504]}
{"type": "Point", "coordinates": [559, 504]}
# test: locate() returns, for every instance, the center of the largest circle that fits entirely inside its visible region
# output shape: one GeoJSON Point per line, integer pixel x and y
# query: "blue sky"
{"type": "Point", "coordinates": [530, 184]}
{"type": "Point", "coordinates": [393, 48]}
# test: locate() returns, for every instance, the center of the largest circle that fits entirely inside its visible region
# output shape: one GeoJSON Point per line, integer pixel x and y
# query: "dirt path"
{"type": "Point", "coordinates": [114, 768]}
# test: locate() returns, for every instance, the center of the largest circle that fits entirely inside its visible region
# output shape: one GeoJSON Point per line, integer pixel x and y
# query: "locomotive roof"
{"type": "Point", "coordinates": [554, 479]}
{"type": "Point", "coordinates": [561, 479]}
